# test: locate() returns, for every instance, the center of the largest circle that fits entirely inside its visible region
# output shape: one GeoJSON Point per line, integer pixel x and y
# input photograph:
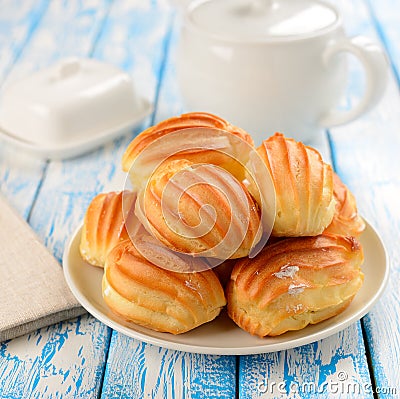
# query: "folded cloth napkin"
{"type": "Point", "coordinates": [33, 292]}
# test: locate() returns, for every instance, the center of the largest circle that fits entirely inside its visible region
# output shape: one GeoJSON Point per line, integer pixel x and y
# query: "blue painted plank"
{"type": "Point", "coordinates": [18, 22]}
{"type": "Point", "coordinates": [67, 29]}
{"type": "Point", "coordinates": [54, 362]}
{"type": "Point", "coordinates": [386, 23]}
{"type": "Point", "coordinates": [169, 100]}
{"type": "Point", "coordinates": [162, 373]}
{"type": "Point", "coordinates": [333, 367]}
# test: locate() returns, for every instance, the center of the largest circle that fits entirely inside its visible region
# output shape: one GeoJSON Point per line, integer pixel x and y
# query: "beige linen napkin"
{"type": "Point", "coordinates": [33, 292]}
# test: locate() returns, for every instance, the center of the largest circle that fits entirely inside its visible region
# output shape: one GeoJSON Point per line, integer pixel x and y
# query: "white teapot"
{"type": "Point", "coordinates": [273, 65]}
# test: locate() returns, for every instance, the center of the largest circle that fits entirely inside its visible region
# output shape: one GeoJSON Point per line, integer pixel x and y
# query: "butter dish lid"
{"type": "Point", "coordinates": [70, 108]}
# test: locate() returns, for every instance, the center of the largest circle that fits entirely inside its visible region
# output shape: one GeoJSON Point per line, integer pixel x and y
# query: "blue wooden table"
{"type": "Point", "coordinates": [82, 358]}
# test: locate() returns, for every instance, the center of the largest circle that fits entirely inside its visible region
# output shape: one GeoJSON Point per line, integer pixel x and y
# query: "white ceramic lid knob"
{"type": "Point", "coordinates": [69, 67]}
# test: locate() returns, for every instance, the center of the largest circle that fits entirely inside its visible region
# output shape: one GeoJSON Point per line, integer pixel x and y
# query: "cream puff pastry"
{"type": "Point", "coordinates": [198, 137]}
{"type": "Point", "coordinates": [200, 210]}
{"type": "Point", "coordinates": [104, 225]}
{"type": "Point", "coordinates": [295, 282]}
{"type": "Point", "coordinates": [158, 298]}
{"type": "Point", "coordinates": [346, 220]}
{"type": "Point", "coordinates": [303, 183]}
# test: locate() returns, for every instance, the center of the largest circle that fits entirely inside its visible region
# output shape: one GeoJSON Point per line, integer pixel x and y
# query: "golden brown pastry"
{"type": "Point", "coordinates": [303, 184]}
{"type": "Point", "coordinates": [227, 147]}
{"type": "Point", "coordinates": [185, 121]}
{"type": "Point", "coordinates": [295, 282]}
{"type": "Point", "coordinates": [157, 298]}
{"type": "Point", "coordinates": [346, 220]}
{"type": "Point", "coordinates": [200, 210]}
{"type": "Point", "coordinates": [104, 225]}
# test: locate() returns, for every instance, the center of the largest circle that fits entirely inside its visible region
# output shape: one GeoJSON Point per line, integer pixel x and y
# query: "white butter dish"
{"type": "Point", "coordinates": [70, 108]}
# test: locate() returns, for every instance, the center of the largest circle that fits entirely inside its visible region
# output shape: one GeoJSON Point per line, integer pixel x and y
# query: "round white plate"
{"type": "Point", "coordinates": [222, 336]}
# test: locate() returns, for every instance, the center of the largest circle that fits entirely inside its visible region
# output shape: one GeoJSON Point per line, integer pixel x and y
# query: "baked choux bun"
{"type": "Point", "coordinates": [295, 282]}
{"type": "Point", "coordinates": [156, 298]}
{"type": "Point", "coordinates": [185, 121]}
{"type": "Point", "coordinates": [199, 210]}
{"type": "Point", "coordinates": [303, 183]}
{"type": "Point", "coordinates": [206, 139]}
{"type": "Point", "coordinates": [346, 220]}
{"type": "Point", "coordinates": [104, 225]}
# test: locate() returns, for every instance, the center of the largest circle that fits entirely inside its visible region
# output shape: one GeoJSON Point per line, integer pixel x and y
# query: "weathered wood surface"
{"type": "Point", "coordinates": [19, 175]}
{"type": "Point", "coordinates": [82, 357]}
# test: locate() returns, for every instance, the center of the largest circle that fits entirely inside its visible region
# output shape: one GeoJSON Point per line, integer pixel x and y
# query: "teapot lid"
{"type": "Point", "coordinates": [261, 19]}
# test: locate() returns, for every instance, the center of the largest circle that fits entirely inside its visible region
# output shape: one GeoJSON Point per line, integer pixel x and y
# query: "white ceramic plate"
{"type": "Point", "coordinates": [222, 336]}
